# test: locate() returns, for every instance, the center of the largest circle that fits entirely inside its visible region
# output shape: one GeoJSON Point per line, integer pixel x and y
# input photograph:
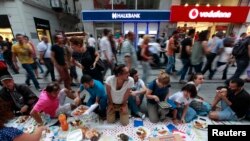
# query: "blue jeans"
{"type": "Point", "coordinates": [201, 108]}
{"type": "Point", "coordinates": [170, 64]}
{"type": "Point", "coordinates": [132, 104]}
{"type": "Point", "coordinates": [186, 65]}
{"type": "Point", "coordinates": [190, 115]}
{"type": "Point", "coordinates": [241, 67]}
{"type": "Point", "coordinates": [30, 75]}
{"type": "Point", "coordinates": [198, 67]}
{"type": "Point", "coordinates": [226, 113]}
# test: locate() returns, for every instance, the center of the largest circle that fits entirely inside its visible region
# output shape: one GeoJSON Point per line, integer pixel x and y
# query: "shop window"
{"type": "Point", "coordinates": [126, 4]}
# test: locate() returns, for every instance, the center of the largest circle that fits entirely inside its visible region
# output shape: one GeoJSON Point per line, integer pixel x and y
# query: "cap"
{"type": "Point", "coordinates": [5, 77]}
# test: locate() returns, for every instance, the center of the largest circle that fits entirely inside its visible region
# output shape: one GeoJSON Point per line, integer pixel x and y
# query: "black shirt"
{"type": "Point", "coordinates": [186, 42]}
{"type": "Point", "coordinates": [59, 54]}
{"type": "Point", "coordinates": [86, 59]}
{"type": "Point", "coordinates": [23, 95]}
{"type": "Point", "coordinates": [240, 102]}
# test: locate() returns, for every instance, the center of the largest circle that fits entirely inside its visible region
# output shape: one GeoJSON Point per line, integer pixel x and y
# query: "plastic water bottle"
{"type": "Point", "coordinates": [189, 129]}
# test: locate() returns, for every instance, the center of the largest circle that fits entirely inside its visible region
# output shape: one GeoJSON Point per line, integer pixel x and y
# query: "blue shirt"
{"type": "Point", "coordinates": [215, 44]}
{"type": "Point", "coordinates": [160, 92]}
{"type": "Point", "coordinates": [98, 90]}
{"type": "Point", "coordinates": [9, 133]}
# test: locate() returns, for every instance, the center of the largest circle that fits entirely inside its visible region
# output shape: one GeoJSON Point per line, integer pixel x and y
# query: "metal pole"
{"type": "Point", "coordinates": [112, 4]}
{"type": "Point", "coordinates": [135, 4]}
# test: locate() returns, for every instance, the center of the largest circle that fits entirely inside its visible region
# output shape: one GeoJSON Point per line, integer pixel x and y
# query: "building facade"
{"type": "Point", "coordinates": [96, 27]}
{"type": "Point", "coordinates": [35, 18]}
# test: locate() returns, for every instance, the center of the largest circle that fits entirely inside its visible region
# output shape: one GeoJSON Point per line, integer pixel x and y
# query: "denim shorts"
{"type": "Point", "coordinates": [226, 113]}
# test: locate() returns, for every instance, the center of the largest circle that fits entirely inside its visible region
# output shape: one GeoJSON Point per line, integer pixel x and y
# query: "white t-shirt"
{"type": "Point", "coordinates": [117, 95]}
{"type": "Point", "coordinates": [139, 85]}
{"type": "Point", "coordinates": [140, 41]}
{"type": "Point", "coordinates": [105, 46]}
{"type": "Point", "coordinates": [91, 42]}
{"type": "Point", "coordinates": [42, 46]}
{"type": "Point", "coordinates": [224, 57]}
{"type": "Point", "coordinates": [179, 98]}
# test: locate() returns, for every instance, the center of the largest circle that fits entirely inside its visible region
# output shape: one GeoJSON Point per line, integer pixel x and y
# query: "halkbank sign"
{"type": "Point", "coordinates": [125, 15]}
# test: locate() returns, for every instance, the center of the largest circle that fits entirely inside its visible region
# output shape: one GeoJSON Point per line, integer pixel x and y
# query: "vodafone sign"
{"type": "Point", "coordinates": [209, 14]}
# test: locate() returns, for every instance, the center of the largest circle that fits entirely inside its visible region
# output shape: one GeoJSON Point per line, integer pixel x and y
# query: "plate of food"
{"type": "Point", "coordinates": [142, 132]}
{"type": "Point", "coordinates": [90, 134]}
{"type": "Point", "coordinates": [200, 124]}
{"type": "Point", "coordinates": [123, 137]}
{"type": "Point", "coordinates": [75, 123]}
{"type": "Point", "coordinates": [22, 119]}
{"type": "Point", "coordinates": [29, 129]}
{"type": "Point", "coordinates": [79, 110]}
{"type": "Point", "coordinates": [75, 135]}
{"type": "Point", "coordinates": [161, 131]}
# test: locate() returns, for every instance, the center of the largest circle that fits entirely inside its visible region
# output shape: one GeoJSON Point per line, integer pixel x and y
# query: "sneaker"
{"type": "Point", "coordinates": [39, 89]}
{"type": "Point", "coordinates": [182, 82]}
{"type": "Point", "coordinates": [143, 116]}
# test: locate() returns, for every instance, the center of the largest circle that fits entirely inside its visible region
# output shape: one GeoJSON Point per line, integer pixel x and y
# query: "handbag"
{"type": "Point", "coordinates": [100, 65]}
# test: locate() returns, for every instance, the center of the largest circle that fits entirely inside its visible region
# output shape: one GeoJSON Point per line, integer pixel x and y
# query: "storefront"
{"type": "Point", "coordinates": [5, 28]}
{"type": "Point", "coordinates": [42, 28]}
{"type": "Point", "coordinates": [212, 18]}
{"type": "Point", "coordinates": [123, 21]}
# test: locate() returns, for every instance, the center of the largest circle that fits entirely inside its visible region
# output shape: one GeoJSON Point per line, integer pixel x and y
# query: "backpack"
{"type": "Point", "coordinates": [138, 53]}
{"type": "Point", "coordinates": [240, 48]}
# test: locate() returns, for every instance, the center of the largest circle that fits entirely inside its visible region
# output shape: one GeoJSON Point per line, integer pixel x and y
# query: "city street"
{"type": "Point", "coordinates": [207, 89]}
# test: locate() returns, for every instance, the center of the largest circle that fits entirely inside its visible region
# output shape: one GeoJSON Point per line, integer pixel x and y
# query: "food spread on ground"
{"type": "Point", "coordinates": [79, 110]}
{"type": "Point", "coordinates": [200, 124]}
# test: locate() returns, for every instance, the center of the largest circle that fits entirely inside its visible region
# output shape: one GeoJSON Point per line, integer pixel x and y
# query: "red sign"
{"type": "Point", "coordinates": [209, 14]}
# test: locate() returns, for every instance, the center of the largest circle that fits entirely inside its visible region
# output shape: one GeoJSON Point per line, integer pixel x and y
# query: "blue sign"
{"type": "Point", "coordinates": [125, 15]}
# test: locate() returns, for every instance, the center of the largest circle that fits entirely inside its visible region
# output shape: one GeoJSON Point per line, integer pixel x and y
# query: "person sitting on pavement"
{"type": "Point", "coordinates": [20, 97]}
{"type": "Point", "coordinates": [198, 104]}
{"type": "Point", "coordinates": [11, 133]}
{"type": "Point", "coordinates": [137, 94]}
{"type": "Point", "coordinates": [118, 89]}
{"type": "Point", "coordinates": [97, 93]}
{"type": "Point", "coordinates": [158, 91]}
{"type": "Point", "coordinates": [181, 101]}
{"type": "Point", "coordinates": [235, 102]}
{"type": "Point", "coordinates": [51, 102]}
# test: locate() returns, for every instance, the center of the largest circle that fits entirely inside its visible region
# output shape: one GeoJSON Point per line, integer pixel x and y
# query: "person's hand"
{"type": "Point", "coordinates": [24, 109]}
{"type": "Point", "coordinates": [41, 61]}
{"type": "Point", "coordinates": [110, 107]}
{"type": "Point", "coordinates": [41, 128]}
{"type": "Point", "coordinates": [175, 121]}
{"type": "Point", "coordinates": [94, 65]}
{"type": "Point", "coordinates": [183, 120]}
{"type": "Point", "coordinates": [124, 108]}
{"type": "Point", "coordinates": [133, 93]}
{"type": "Point", "coordinates": [156, 98]}
{"type": "Point", "coordinates": [77, 100]}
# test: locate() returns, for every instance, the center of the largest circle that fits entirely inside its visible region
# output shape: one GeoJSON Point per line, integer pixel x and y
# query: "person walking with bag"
{"type": "Point", "coordinates": [86, 58]}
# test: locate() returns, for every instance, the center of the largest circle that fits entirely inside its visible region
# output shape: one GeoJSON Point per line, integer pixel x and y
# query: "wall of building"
{"type": "Point", "coordinates": [88, 26]}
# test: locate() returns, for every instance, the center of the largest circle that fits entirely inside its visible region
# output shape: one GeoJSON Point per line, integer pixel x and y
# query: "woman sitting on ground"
{"type": "Point", "coordinates": [198, 104]}
{"type": "Point", "coordinates": [157, 91]}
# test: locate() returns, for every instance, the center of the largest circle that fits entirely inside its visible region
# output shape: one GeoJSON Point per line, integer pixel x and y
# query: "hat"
{"type": "Point", "coordinates": [5, 77]}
